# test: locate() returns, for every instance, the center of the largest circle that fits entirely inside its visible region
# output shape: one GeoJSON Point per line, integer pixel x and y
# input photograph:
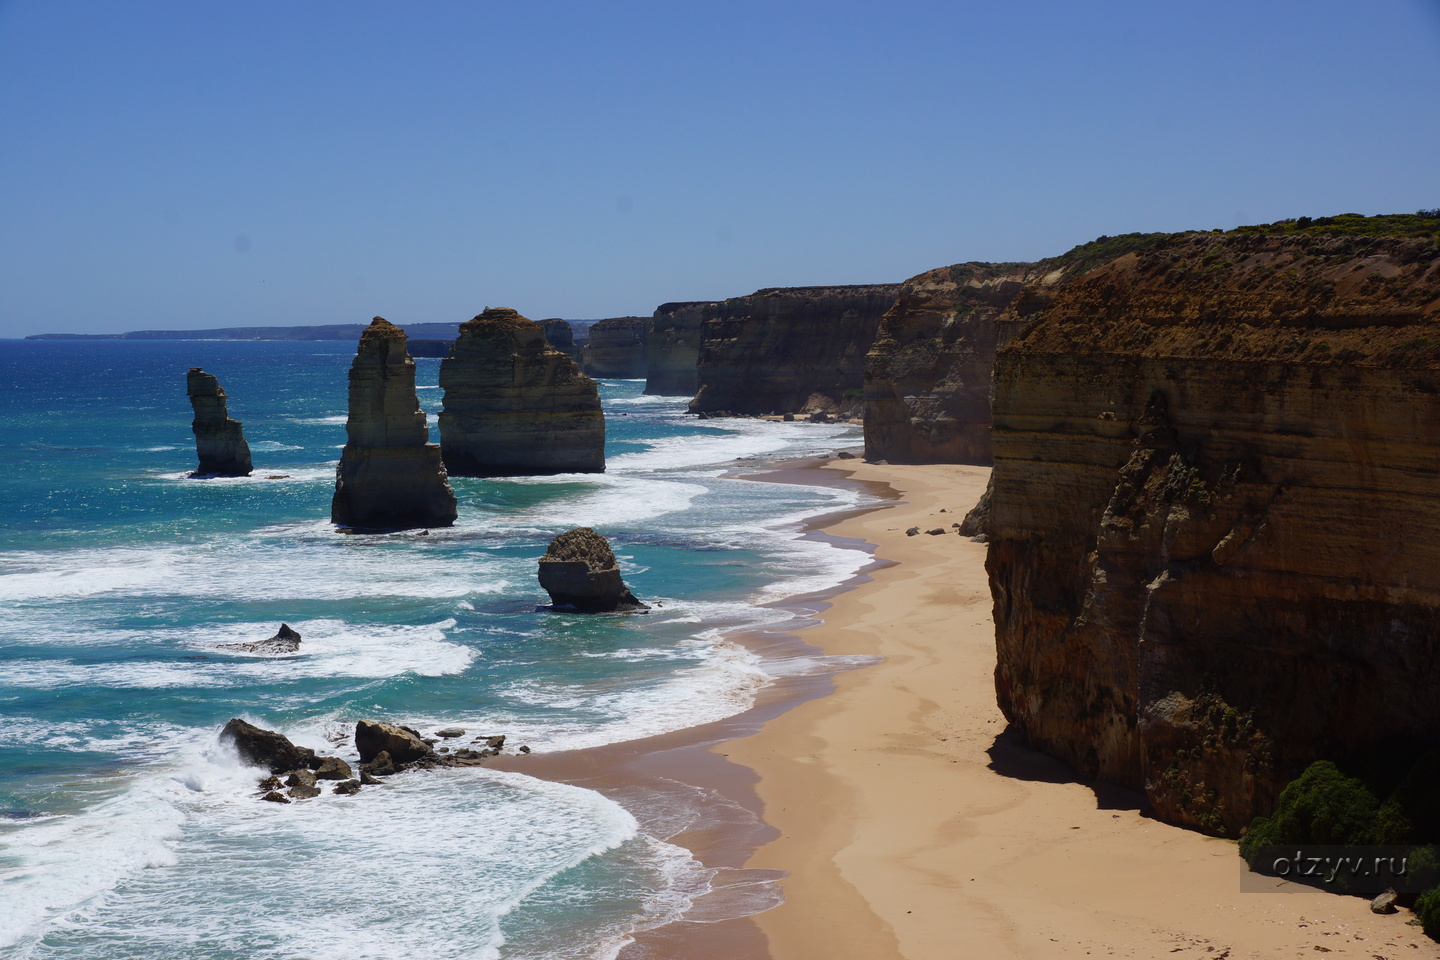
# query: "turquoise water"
{"type": "Point", "coordinates": [127, 831]}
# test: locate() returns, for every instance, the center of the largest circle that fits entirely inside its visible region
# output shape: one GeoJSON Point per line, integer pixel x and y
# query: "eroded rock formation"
{"type": "Point", "coordinates": [1212, 546]}
{"type": "Point", "coordinates": [928, 373]}
{"type": "Point", "coordinates": [514, 405]}
{"type": "Point", "coordinates": [788, 350]}
{"type": "Point", "coordinates": [560, 335]}
{"type": "Point", "coordinates": [615, 348]}
{"type": "Point", "coordinates": [390, 476]}
{"type": "Point", "coordinates": [286, 640]}
{"type": "Point", "coordinates": [219, 440]}
{"type": "Point", "coordinates": [673, 350]}
{"type": "Point", "coordinates": [580, 571]}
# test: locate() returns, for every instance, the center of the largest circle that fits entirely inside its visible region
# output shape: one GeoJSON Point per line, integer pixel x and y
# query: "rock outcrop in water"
{"type": "Point", "coordinates": [788, 350]}
{"type": "Point", "coordinates": [928, 372]}
{"type": "Point", "coordinates": [516, 406]}
{"type": "Point", "coordinates": [580, 572]}
{"type": "Point", "coordinates": [219, 440]}
{"type": "Point", "coordinates": [615, 348]}
{"type": "Point", "coordinates": [673, 350]}
{"type": "Point", "coordinates": [390, 476]}
{"type": "Point", "coordinates": [1211, 527]}
{"type": "Point", "coordinates": [286, 640]}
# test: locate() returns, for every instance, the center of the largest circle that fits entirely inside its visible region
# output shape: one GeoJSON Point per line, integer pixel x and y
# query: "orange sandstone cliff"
{"type": "Point", "coordinates": [1213, 531]}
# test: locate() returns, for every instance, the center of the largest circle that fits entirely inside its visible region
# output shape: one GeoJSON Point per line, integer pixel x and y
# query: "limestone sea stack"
{"type": "Point", "coordinates": [561, 336]}
{"type": "Point", "coordinates": [390, 476]}
{"type": "Point", "coordinates": [1212, 548]}
{"type": "Point", "coordinates": [580, 572]}
{"type": "Point", "coordinates": [219, 440]}
{"type": "Point", "coordinates": [615, 348]}
{"type": "Point", "coordinates": [516, 406]}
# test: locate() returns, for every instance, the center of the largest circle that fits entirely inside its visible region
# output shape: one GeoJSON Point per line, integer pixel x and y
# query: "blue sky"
{"type": "Point", "coordinates": [182, 164]}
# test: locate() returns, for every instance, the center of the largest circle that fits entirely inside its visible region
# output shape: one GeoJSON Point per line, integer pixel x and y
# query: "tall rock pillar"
{"type": "Point", "coordinates": [219, 441]}
{"type": "Point", "coordinates": [516, 406]}
{"type": "Point", "coordinates": [390, 476]}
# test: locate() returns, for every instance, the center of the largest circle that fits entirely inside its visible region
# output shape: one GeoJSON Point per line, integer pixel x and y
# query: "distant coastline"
{"type": "Point", "coordinates": [328, 331]}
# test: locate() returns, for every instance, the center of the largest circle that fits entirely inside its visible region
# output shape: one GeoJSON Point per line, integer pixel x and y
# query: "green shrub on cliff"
{"type": "Point", "coordinates": [1323, 806]}
{"type": "Point", "coordinates": [1423, 223]}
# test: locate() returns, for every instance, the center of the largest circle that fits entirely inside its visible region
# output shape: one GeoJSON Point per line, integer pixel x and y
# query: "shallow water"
{"type": "Point", "coordinates": [126, 831]}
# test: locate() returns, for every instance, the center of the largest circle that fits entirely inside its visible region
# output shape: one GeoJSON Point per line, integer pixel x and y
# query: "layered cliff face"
{"type": "Point", "coordinates": [390, 476]}
{"type": "Point", "coordinates": [561, 336]}
{"type": "Point", "coordinates": [928, 373]}
{"type": "Point", "coordinates": [514, 405]}
{"type": "Point", "coordinates": [615, 349]}
{"type": "Point", "coordinates": [673, 350]}
{"type": "Point", "coordinates": [1213, 504]}
{"type": "Point", "coordinates": [788, 350]}
{"type": "Point", "coordinates": [219, 441]}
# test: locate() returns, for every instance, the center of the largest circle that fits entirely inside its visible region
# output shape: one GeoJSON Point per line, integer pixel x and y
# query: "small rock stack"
{"type": "Point", "coordinates": [219, 440]}
{"type": "Point", "coordinates": [580, 572]}
{"type": "Point", "coordinates": [390, 476]}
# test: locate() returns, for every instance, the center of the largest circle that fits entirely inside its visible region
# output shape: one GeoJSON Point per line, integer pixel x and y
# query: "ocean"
{"type": "Point", "coordinates": [127, 830]}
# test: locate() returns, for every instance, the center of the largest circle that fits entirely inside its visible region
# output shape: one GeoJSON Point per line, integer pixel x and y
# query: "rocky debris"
{"type": "Point", "coordinates": [333, 768]}
{"type": "Point", "coordinates": [523, 749]}
{"type": "Point", "coordinates": [616, 349]}
{"type": "Point", "coordinates": [379, 766]}
{"type": "Point", "coordinates": [219, 440]}
{"type": "Point", "coordinates": [450, 733]}
{"type": "Point", "coordinates": [401, 744]}
{"type": "Point", "coordinates": [390, 476]}
{"type": "Point", "coordinates": [303, 791]}
{"type": "Point", "coordinates": [580, 572]}
{"type": "Point", "coordinates": [788, 417]}
{"type": "Point", "coordinates": [1385, 902]}
{"type": "Point", "coordinates": [913, 532]}
{"type": "Point", "coordinates": [369, 779]}
{"type": "Point", "coordinates": [937, 531]}
{"type": "Point", "coordinates": [265, 748]}
{"type": "Point", "coordinates": [347, 788]}
{"type": "Point", "coordinates": [845, 455]}
{"type": "Point", "coordinates": [285, 641]}
{"type": "Point", "coordinates": [516, 406]}
{"type": "Point", "coordinates": [788, 350]}
{"type": "Point", "coordinates": [275, 796]}
{"type": "Point", "coordinates": [819, 416]}
{"type": "Point", "coordinates": [1212, 455]}
{"type": "Point", "coordinates": [301, 778]}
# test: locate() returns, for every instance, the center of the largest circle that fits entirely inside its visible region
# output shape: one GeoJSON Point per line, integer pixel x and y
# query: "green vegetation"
{"type": "Point", "coordinates": [1422, 223]}
{"type": "Point", "coordinates": [1087, 256]}
{"type": "Point", "coordinates": [1331, 806]}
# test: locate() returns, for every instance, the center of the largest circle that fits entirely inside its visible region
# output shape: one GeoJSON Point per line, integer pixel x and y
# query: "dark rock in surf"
{"type": "Point", "coordinates": [265, 748]}
{"type": "Point", "coordinates": [580, 572]}
{"type": "Point", "coordinates": [402, 744]}
{"type": "Point", "coordinates": [286, 640]}
{"type": "Point", "coordinates": [333, 768]}
{"type": "Point", "coordinates": [347, 787]}
{"type": "Point", "coordinates": [219, 440]}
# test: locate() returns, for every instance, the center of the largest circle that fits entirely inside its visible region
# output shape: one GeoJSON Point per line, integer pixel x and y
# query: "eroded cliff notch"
{"type": "Point", "coordinates": [390, 476]}
{"type": "Point", "coordinates": [1212, 547]}
{"type": "Point", "coordinates": [516, 406]}
{"type": "Point", "coordinates": [219, 441]}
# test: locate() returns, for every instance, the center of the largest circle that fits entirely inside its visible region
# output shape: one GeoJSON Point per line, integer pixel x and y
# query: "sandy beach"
{"type": "Point", "coordinates": [911, 826]}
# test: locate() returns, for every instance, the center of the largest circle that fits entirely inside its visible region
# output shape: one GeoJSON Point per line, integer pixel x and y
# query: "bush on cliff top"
{"type": "Point", "coordinates": [1423, 223]}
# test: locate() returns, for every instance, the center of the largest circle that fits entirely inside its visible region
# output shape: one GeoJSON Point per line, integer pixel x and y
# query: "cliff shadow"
{"type": "Point", "coordinates": [1011, 756]}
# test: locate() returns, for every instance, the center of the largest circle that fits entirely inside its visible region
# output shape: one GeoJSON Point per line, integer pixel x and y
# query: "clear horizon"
{"type": "Point", "coordinates": [169, 166]}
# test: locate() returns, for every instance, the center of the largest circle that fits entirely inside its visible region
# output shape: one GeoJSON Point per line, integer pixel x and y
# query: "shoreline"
{"type": "Point", "coordinates": [900, 818]}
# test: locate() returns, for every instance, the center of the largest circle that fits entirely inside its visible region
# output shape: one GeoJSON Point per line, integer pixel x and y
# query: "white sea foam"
{"type": "Point", "coordinates": [614, 501]}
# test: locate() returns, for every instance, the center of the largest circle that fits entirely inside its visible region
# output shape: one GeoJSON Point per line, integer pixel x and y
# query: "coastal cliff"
{"type": "Point", "coordinates": [561, 336]}
{"type": "Point", "coordinates": [514, 405]}
{"type": "Point", "coordinates": [390, 476]}
{"type": "Point", "coordinates": [615, 349]}
{"type": "Point", "coordinates": [1211, 551]}
{"type": "Point", "coordinates": [928, 373]}
{"type": "Point", "coordinates": [219, 440]}
{"type": "Point", "coordinates": [673, 350]}
{"type": "Point", "coordinates": [788, 350]}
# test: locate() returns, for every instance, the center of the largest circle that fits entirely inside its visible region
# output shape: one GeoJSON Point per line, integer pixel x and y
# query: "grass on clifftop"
{"type": "Point", "coordinates": [1422, 223]}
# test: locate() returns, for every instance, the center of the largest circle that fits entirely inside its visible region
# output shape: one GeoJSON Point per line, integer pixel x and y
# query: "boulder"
{"type": "Point", "coordinates": [265, 748]}
{"type": "Point", "coordinates": [347, 787]}
{"type": "Point", "coordinates": [516, 406]}
{"type": "Point", "coordinates": [403, 744]}
{"type": "Point", "coordinates": [275, 796]}
{"type": "Point", "coordinates": [390, 476]}
{"type": "Point", "coordinates": [219, 440]}
{"type": "Point", "coordinates": [303, 791]}
{"type": "Point", "coordinates": [450, 733]}
{"type": "Point", "coordinates": [301, 778]}
{"type": "Point", "coordinates": [1385, 903]}
{"type": "Point", "coordinates": [580, 572]}
{"type": "Point", "coordinates": [333, 768]}
{"type": "Point", "coordinates": [380, 766]}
